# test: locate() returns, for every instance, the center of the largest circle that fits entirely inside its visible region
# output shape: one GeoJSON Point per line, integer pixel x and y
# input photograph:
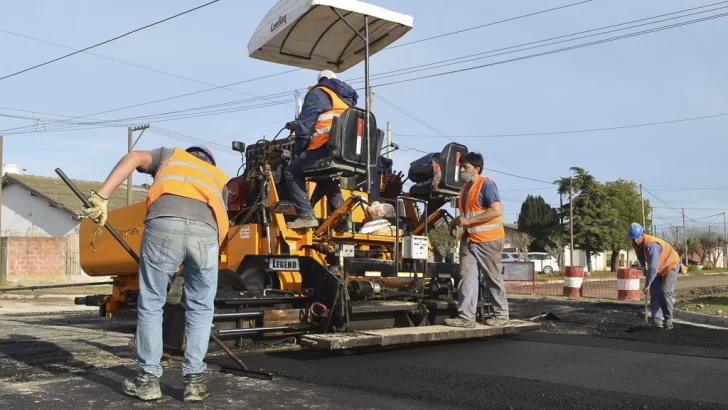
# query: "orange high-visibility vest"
{"type": "Point", "coordinates": [322, 128]}
{"type": "Point", "coordinates": [187, 176]}
{"type": "Point", "coordinates": [668, 257]}
{"type": "Point", "coordinates": [470, 207]}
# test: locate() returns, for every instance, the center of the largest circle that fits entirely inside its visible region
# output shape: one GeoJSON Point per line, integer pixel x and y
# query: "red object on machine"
{"type": "Point", "coordinates": [237, 193]}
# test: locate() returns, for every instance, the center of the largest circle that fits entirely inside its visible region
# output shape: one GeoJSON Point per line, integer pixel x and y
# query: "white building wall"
{"type": "Point", "coordinates": [27, 215]}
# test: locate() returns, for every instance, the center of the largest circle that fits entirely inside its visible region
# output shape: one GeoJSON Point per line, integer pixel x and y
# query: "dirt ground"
{"type": "Point", "coordinates": [52, 351]}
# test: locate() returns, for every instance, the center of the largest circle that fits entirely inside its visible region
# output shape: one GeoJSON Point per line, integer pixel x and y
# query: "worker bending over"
{"type": "Point", "coordinates": [328, 99]}
{"type": "Point", "coordinates": [663, 264]}
{"type": "Point", "coordinates": [481, 244]}
{"type": "Point", "coordinates": [185, 222]}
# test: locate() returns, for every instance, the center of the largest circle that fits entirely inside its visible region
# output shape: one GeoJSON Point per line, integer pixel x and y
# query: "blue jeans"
{"type": "Point", "coordinates": [167, 243]}
{"type": "Point", "coordinates": [297, 184]}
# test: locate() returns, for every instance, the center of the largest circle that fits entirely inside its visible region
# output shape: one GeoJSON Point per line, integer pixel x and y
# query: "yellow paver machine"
{"type": "Point", "coordinates": [369, 285]}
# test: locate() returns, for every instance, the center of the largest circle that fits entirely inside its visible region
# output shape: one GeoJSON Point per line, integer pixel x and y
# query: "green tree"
{"type": "Point", "coordinates": [624, 197]}
{"type": "Point", "coordinates": [595, 221]}
{"type": "Point", "coordinates": [539, 220]}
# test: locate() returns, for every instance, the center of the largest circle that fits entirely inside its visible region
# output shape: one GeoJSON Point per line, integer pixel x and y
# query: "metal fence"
{"type": "Point", "coordinates": [521, 279]}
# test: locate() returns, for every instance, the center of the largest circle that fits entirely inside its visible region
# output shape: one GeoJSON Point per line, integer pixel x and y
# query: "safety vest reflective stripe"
{"type": "Point", "coordinates": [470, 207]}
{"type": "Point", "coordinates": [189, 164]}
{"type": "Point", "coordinates": [197, 181]}
{"type": "Point", "coordinates": [472, 214]}
{"type": "Point", "coordinates": [189, 177]}
{"type": "Point", "coordinates": [322, 128]}
{"type": "Point", "coordinates": [668, 257]}
{"type": "Point", "coordinates": [486, 227]}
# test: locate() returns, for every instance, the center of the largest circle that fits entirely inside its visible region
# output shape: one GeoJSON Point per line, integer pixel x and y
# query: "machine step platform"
{"type": "Point", "coordinates": [411, 335]}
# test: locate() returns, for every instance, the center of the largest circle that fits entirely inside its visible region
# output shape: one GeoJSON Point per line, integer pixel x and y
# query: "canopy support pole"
{"type": "Point", "coordinates": [367, 134]}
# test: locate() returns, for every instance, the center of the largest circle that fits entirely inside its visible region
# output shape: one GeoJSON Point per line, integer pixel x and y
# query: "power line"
{"type": "Point", "coordinates": [487, 169]}
{"type": "Point", "coordinates": [109, 40]}
{"type": "Point", "coordinates": [490, 53]}
{"type": "Point", "coordinates": [560, 50]}
{"type": "Point", "coordinates": [460, 70]}
{"type": "Point", "coordinates": [379, 96]}
{"type": "Point", "coordinates": [285, 72]}
{"type": "Point", "coordinates": [125, 62]}
{"type": "Point", "coordinates": [574, 131]}
{"type": "Point", "coordinates": [486, 25]}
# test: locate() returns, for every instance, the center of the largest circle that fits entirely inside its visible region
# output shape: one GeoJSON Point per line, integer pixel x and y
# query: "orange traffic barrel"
{"type": "Point", "coordinates": [573, 278]}
{"type": "Point", "coordinates": [628, 284]}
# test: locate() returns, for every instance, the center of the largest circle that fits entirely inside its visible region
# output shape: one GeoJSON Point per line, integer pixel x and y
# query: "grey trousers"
{"type": "Point", "coordinates": [661, 291]}
{"type": "Point", "coordinates": [482, 257]}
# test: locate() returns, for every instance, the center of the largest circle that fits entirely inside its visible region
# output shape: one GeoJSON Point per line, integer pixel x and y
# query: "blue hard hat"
{"type": "Point", "coordinates": [634, 230]}
{"type": "Point", "coordinates": [204, 150]}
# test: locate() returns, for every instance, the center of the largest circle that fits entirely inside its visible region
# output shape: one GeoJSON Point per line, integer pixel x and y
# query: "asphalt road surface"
{"type": "Point", "coordinates": [597, 357]}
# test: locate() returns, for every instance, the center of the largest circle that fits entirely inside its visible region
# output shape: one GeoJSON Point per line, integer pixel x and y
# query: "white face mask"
{"type": "Point", "coordinates": [466, 176]}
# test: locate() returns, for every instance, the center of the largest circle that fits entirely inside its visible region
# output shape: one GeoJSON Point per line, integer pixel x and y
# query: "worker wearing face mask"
{"type": "Point", "coordinates": [481, 244]}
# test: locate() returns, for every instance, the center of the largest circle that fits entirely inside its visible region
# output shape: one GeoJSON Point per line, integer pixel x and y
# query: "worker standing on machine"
{"type": "Point", "coordinates": [328, 99]}
{"type": "Point", "coordinates": [185, 222]}
{"type": "Point", "coordinates": [663, 264]}
{"type": "Point", "coordinates": [481, 244]}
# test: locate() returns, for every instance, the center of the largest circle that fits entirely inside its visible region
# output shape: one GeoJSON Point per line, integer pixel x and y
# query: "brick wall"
{"type": "Point", "coordinates": [32, 256]}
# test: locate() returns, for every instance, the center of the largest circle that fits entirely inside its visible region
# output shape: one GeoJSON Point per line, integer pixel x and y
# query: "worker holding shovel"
{"type": "Point", "coordinates": [663, 264]}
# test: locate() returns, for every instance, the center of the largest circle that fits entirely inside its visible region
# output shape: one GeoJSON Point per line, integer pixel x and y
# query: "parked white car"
{"type": "Point", "coordinates": [543, 262]}
{"type": "Point", "coordinates": [509, 257]}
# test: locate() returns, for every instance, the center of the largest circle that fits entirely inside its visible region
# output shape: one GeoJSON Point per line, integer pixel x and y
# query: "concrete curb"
{"type": "Point", "coordinates": [714, 320]}
{"type": "Point", "coordinates": [17, 296]}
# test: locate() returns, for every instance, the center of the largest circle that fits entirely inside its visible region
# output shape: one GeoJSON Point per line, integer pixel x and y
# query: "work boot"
{"type": "Point", "coordinates": [497, 321]}
{"type": "Point", "coordinates": [303, 223]}
{"type": "Point", "coordinates": [667, 324]}
{"type": "Point", "coordinates": [195, 388]}
{"type": "Point", "coordinates": [460, 322]}
{"type": "Point", "coordinates": [656, 322]}
{"type": "Point", "coordinates": [145, 386]}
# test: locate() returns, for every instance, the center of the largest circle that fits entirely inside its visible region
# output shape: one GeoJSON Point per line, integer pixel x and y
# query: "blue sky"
{"type": "Point", "coordinates": [661, 76]}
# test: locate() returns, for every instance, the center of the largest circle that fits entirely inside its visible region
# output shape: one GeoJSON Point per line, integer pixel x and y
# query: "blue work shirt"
{"type": "Point", "coordinates": [488, 193]}
{"type": "Point", "coordinates": [653, 260]}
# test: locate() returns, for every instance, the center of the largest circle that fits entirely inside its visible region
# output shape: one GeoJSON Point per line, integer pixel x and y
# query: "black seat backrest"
{"type": "Point", "coordinates": [347, 146]}
{"type": "Point", "coordinates": [449, 160]}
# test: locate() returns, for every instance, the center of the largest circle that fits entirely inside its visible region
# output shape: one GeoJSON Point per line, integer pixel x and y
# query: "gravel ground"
{"type": "Point", "coordinates": [53, 357]}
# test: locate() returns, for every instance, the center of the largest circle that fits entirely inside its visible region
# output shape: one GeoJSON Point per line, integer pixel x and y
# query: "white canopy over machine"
{"type": "Point", "coordinates": [325, 34]}
{"type": "Point", "coordinates": [328, 34]}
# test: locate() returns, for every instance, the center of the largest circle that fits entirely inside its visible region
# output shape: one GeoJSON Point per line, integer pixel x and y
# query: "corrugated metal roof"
{"type": "Point", "coordinates": [60, 195]}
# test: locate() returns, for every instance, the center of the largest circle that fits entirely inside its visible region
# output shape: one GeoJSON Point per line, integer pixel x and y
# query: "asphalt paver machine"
{"type": "Point", "coordinates": [372, 284]}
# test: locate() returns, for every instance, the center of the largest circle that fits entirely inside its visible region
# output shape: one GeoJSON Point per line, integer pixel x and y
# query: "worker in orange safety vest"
{"type": "Point", "coordinates": [328, 99]}
{"type": "Point", "coordinates": [481, 244]}
{"type": "Point", "coordinates": [663, 265]}
{"type": "Point", "coordinates": [186, 221]}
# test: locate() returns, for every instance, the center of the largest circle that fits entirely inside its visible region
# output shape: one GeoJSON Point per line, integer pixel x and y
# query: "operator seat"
{"type": "Point", "coordinates": [437, 174]}
{"type": "Point", "coordinates": [347, 160]}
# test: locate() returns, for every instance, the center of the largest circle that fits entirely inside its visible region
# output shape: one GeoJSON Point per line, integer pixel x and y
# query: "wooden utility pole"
{"type": "Point", "coordinates": [389, 138]}
{"type": "Point", "coordinates": [571, 220]}
{"type": "Point", "coordinates": [642, 199]}
{"type": "Point", "coordinates": [725, 242]}
{"type": "Point", "coordinates": [130, 131]}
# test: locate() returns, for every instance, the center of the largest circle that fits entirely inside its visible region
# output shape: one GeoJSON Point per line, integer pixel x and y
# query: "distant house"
{"type": "Point", "coordinates": [45, 206]}
{"type": "Point", "coordinates": [38, 209]}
